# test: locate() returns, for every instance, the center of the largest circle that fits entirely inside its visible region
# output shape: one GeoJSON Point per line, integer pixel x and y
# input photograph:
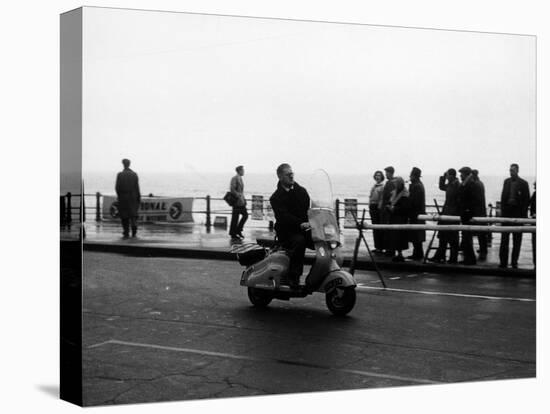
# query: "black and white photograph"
{"type": "Point", "coordinates": [228, 164]}
{"type": "Point", "coordinates": [261, 209]}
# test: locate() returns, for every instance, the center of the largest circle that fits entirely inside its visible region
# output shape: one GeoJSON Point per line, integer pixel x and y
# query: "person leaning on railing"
{"type": "Point", "coordinates": [375, 205]}
{"type": "Point", "coordinates": [385, 211]}
{"type": "Point", "coordinates": [399, 210]}
{"type": "Point", "coordinates": [481, 211]}
{"type": "Point", "coordinates": [468, 202]}
{"type": "Point", "coordinates": [417, 197]}
{"type": "Point", "coordinates": [450, 184]}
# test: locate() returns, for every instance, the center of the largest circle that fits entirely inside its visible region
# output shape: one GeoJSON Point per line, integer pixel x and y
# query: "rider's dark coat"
{"type": "Point", "coordinates": [290, 208]}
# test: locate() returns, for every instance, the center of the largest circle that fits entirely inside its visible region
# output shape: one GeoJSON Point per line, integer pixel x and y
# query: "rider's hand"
{"type": "Point", "coordinates": [305, 226]}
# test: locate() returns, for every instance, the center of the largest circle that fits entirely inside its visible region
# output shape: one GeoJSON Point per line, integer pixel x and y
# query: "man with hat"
{"type": "Point", "coordinates": [450, 184]}
{"type": "Point", "coordinates": [514, 202]}
{"type": "Point", "coordinates": [467, 203]}
{"type": "Point", "coordinates": [129, 198]}
{"type": "Point", "coordinates": [417, 197]}
{"type": "Point", "coordinates": [384, 207]}
{"type": "Point", "coordinates": [481, 211]}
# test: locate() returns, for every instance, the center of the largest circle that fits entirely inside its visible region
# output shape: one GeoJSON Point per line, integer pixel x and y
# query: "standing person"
{"type": "Point", "coordinates": [399, 210]}
{"type": "Point", "coordinates": [375, 203]}
{"type": "Point", "coordinates": [467, 196]}
{"type": "Point", "coordinates": [514, 202]}
{"type": "Point", "coordinates": [480, 211]}
{"type": "Point", "coordinates": [129, 197]}
{"type": "Point", "coordinates": [533, 214]}
{"type": "Point", "coordinates": [417, 197]}
{"type": "Point", "coordinates": [290, 203]}
{"type": "Point", "coordinates": [384, 208]}
{"type": "Point", "coordinates": [450, 184]}
{"type": "Point", "coordinates": [236, 187]}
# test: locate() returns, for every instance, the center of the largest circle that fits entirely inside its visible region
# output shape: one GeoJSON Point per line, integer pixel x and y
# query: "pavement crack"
{"type": "Point", "coordinates": [114, 399]}
{"type": "Point", "coordinates": [232, 384]}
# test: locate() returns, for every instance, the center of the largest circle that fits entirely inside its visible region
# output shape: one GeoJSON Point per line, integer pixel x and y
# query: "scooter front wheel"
{"type": "Point", "coordinates": [259, 297]}
{"type": "Point", "coordinates": [340, 301]}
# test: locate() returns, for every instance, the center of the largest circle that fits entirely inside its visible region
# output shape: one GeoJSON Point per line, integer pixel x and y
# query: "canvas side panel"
{"type": "Point", "coordinates": [71, 220]}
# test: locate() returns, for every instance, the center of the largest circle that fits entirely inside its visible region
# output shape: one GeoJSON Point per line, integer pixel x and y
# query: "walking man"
{"type": "Point", "coordinates": [236, 186]}
{"type": "Point", "coordinates": [514, 202]}
{"type": "Point", "coordinates": [129, 197]}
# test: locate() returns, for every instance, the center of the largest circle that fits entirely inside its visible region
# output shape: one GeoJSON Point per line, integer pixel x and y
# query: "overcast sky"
{"type": "Point", "coordinates": [178, 92]}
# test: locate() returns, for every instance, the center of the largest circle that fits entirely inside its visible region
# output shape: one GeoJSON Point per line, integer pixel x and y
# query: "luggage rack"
{"type": "Point", "coordinates": [268, 243]}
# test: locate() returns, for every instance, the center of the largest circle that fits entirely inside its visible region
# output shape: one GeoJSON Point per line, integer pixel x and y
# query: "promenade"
{"type": "Point", "coordinates": [195, 241]}
{"type": "Point", "coordinates": [164, 319]}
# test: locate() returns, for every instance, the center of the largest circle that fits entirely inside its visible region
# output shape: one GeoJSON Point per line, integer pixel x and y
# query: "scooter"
{"type": "Point", "coordinates": [266, 273]}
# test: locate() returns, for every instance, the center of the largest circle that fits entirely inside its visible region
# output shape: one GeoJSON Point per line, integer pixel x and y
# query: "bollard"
{"type": "Point", "coordinates": [208, 212]}
{"type": "Point", "coordinates": [82, 208]}
{"type": "Point", "coordinates": [69, 208]}
{"type": "Point", "coordinates": [97, 206]}
{"type": "Point", "coordinates": [490, 235]}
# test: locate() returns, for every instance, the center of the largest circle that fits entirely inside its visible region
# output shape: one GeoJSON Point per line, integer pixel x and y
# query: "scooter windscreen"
{"type": "Point", "coordinates": [324, 226]}
{"type": "Point", "coordinates": [319, 188]}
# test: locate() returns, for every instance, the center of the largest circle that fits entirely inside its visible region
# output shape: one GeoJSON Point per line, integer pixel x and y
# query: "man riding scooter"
{"type": "Point", "coordinates": [298, 226]}
{"type": "Point", "coordinates": [290, 203]}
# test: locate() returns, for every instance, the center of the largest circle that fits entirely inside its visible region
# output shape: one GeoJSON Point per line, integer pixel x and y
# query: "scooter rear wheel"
{"type": "Point", "coordinates": [341, 301]}
{"type": "Point", "coordinates": [259, 297]}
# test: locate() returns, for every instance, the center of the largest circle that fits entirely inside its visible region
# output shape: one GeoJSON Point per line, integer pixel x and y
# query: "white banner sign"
{"type": "Point", "coordinates": [154, 209]}
{"type": "Point", "coordinates": [257, 207]}
{"type": "Point", "coordinates": [350, 212]}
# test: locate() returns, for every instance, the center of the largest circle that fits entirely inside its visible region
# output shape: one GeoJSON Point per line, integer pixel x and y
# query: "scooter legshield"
{"type": "Point", "coordinates": [337, 279]}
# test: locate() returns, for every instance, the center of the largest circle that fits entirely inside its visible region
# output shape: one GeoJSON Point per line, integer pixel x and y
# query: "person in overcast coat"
{"type": "Point", "coordinates": [129, 198]}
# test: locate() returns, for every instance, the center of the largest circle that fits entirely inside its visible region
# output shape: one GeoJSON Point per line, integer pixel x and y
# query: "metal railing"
{"type": "Point", "coordinates": [81, 208]}
{"type": "Point", "coordinates": [72, 211]}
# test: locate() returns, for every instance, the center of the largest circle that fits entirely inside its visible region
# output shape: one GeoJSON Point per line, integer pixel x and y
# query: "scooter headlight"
{"type": "Point", "coordinates": [333, 244]}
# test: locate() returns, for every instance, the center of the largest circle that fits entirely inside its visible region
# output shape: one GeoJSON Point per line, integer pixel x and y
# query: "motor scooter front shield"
{"type": "Point", "coordinates": [324, 226]}
{"type": "Point", "coordinates": [337, 279]}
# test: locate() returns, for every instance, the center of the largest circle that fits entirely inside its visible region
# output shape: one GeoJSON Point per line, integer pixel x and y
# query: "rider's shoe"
{"type": "Point", "coordinates": [292, 282]}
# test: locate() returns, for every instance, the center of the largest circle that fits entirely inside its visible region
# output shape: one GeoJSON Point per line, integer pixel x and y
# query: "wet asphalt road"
{"type": "Point", "coordinates": [176, 329]}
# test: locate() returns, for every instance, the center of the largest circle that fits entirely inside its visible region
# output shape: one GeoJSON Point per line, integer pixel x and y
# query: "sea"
{"type": "Point", "coordinates": [216, 184]}
{"type": "Point", "coordinates": [197, 185]}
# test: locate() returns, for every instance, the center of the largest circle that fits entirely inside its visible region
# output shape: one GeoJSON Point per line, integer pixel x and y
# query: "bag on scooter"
{"type": "Point", "coordinates": [249, 254]}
